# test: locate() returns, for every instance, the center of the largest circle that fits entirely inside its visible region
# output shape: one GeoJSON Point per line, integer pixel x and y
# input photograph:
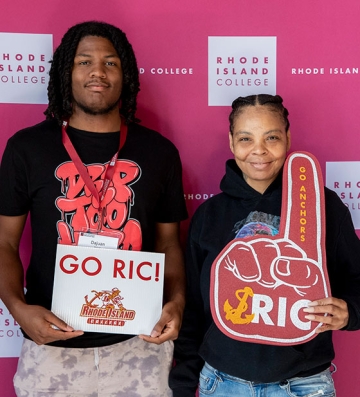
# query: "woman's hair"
{"type": "Point", "coordinates": [59, 88]}
{"type": "Point", "coordinates": [273, 102]}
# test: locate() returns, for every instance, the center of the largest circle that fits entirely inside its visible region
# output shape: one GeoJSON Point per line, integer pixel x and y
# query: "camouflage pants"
{"type": "Point", "coordinates": [132, 368]}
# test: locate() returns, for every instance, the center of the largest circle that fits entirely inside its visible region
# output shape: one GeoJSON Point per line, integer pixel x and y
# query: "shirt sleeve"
{"type": "Point", "coordinates": [14, 193]}
{"type": "Point", "coordinates": [343, 258]}
{"type": "Point", "coordinates": [171, 206]}
{"type": "Point", "coordinates": [348, 257]}
{"type": "Point", "coordinates": [184, 376]}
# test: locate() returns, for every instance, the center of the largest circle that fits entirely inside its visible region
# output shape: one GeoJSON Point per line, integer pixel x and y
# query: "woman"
{"type": "Point", "coordinates": [250, 204]}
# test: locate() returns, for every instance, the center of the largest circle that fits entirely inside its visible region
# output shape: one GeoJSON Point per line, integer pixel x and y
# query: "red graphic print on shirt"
{"type": "Point", "coordinates": [79, 211]}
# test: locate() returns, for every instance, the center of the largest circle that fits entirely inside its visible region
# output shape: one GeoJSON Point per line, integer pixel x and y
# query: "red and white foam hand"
{"type": "Point", "coordinates": [281, 273]}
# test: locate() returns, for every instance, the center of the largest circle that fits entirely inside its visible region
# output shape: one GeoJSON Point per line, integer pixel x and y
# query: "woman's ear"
{"type": "Point", "coordinates": [231, 142]}
{"type": "Point", "coordinates": [288, 140]}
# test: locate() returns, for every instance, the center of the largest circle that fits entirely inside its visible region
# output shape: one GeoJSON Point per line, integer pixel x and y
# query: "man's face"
{"type": "Point", "coordinates": [96, 76]}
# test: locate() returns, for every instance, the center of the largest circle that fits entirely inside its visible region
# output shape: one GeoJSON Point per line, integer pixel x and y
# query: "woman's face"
{"type": "Point", "coordinates": [259, 143]}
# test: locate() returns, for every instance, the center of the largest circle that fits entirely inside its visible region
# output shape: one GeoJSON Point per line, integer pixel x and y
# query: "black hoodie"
{"type": "Point", "coordinates": [216, 223]}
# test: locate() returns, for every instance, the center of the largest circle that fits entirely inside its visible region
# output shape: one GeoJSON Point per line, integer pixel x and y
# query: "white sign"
{"type": "Point", "coordinates": [344, 178]}
{"type": "Point", "coordinates": [24, 67]}
{"type": "Point", "coordinates": [107, 290]}
{"type": "Point", "coordinates": [11, 337]}
{"type": "Point", "coordinates": [240, 66]}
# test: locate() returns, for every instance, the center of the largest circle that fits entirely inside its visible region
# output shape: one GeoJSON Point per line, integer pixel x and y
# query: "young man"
{"type": "Point", "coordinates": [93, 87]}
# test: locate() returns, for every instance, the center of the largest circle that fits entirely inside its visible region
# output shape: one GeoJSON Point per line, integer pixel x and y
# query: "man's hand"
{"type": "Point", "coordinates": [167, 241]}
{"type": "Point", "coordinates": [37, 322]}
{"type": "Point", "coordinates": [167, 328]}
{"type": "Point", "coordinates": [332, 312]}
{"type": "Point", "coordinates": [42, 326]}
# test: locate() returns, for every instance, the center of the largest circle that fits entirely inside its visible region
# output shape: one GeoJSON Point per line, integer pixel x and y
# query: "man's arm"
{"type": "Point", "coordinates": [36, 321]}
{"type": "Point", "coordinates": [168, 242]}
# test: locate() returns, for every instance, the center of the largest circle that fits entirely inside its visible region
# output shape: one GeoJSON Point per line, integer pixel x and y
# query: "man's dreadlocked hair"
{"type": "Point", "coordinates": [59, 88]}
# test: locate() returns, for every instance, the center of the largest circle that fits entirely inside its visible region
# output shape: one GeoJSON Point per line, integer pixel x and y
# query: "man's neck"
{"type": "Point", "coordinates": [96, 123]}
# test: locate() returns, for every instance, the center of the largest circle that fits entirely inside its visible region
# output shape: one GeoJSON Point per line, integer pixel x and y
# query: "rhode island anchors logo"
{"type": "Point", "coordinates": [106, 308]}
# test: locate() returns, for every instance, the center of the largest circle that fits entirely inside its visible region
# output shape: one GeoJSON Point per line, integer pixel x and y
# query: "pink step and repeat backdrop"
{"type": "Point", "coordinates": [194, 58]}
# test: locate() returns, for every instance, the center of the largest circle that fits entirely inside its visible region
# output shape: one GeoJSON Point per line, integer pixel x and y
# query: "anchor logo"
{"type": "Point", "coordinates": [234, 315]}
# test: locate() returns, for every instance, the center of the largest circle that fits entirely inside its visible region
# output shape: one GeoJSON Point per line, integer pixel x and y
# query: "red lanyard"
{"type": "Point", "coordinates": [82, 169]}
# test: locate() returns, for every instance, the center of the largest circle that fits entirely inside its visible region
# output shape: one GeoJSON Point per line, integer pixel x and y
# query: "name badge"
{"type": "Point", "coordinates": [97, 241]}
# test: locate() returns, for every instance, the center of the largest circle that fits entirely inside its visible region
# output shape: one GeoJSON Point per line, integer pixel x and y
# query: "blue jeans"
{"type": "Point", "coordinates": [218, 384]}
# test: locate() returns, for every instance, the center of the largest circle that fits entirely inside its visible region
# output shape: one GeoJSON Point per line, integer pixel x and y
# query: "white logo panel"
{"type": "Point", "coordinates": [240, 66]}
{"type": "Point", "coordinates": [24, 67]}
{"type": "Point", "coordinates": [344, 178]}
{"type": "Point", "coordinates": [11, 337]}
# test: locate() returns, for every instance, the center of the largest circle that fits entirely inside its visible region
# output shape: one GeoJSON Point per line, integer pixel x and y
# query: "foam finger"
{"type": "Point", "coordinates": [302, 213]}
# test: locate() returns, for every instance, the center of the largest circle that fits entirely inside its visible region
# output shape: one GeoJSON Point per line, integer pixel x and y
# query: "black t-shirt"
{"type": "Point", "coordinates": [37, 176]}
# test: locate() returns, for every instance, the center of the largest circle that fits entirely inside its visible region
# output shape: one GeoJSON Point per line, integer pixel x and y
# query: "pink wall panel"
{"type": "Point", "coordinates": [311, 35]}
